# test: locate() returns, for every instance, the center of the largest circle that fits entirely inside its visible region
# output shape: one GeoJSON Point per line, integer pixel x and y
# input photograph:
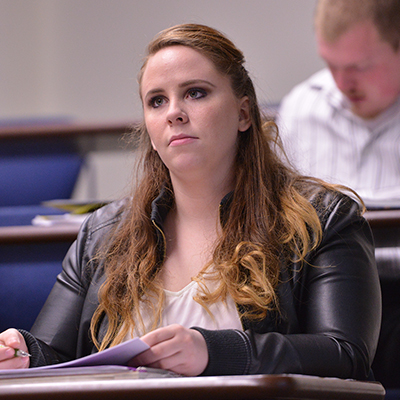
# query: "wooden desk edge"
{"type": "Point", "coordinates": [66, 129]}
{"type": "Point", "coordinates": [31, 233]}
{"type": "Point", "coordinates": [383, 218]}
{"type": "Point", "coordinates": [227, 387]}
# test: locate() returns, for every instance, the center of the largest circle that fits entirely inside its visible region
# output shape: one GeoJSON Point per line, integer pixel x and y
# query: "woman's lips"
{"type": "Point", "coordinates": [178, 140]}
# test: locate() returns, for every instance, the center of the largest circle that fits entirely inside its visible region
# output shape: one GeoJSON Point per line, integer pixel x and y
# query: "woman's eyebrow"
{"type": "Point", "coordinates": [195, 81]}
{"type": "Point", "coordinates": [153, 91]}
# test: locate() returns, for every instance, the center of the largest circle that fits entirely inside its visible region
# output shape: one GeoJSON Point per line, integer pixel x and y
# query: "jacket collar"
{"type": "Point", "coordinates": [161, 205]}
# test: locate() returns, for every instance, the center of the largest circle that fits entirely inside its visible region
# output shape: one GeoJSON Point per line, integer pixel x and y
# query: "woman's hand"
{"type": "Point", "coordinates": [10, 340]}
{"type": "Point", "coordinates": [174, 348]}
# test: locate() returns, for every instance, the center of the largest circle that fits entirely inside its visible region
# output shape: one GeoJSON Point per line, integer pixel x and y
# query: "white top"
{"type": "Point", "coordinates": [323, 138]}
{"type": "Point", "coordinates": [180, 308]}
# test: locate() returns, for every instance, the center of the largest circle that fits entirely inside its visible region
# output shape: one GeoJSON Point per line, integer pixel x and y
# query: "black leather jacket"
{"type": "Point", "coordinates": [330, 307]}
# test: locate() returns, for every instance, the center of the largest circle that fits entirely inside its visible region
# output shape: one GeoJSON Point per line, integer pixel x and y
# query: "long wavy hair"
{"type": "Point", "coordinates": [270, 218]}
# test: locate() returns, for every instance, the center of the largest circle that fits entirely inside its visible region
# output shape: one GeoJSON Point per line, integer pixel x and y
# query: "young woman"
{"type": "Point", "coordinates": [224, 260]}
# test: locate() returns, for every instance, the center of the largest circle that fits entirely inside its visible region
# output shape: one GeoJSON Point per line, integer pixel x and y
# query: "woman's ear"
{"type": "Point", "coordinates": [244, 114]}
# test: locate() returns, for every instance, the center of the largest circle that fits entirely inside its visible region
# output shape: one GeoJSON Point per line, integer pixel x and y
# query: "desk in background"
{"type": "Point", "coordinates": [38, 234]}
{"type": "Point", "coordinates": [64, 129]}
{"type": "Point", "coordinates": [385, 225]}
{"type": "Point", "coordinates": [40, 160]}
{"type": "Point", "coordinates": [385, 220]}
{"type": "Point", "coordinates": [30, 260]}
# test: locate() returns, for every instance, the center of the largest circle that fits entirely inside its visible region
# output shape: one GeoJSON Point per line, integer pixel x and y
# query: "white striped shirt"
{"type": "Point", "coordinates": [323, 138]}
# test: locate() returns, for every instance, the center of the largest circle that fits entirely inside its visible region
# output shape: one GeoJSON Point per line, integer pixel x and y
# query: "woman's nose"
{"type": "Point", "coordinates": [176, 114]}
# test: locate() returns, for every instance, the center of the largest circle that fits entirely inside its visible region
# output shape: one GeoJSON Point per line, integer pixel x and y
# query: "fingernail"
{"type": "Point", "coordinates": [25, 361]}
{"type": "Point", "coordinates": [9, 353]}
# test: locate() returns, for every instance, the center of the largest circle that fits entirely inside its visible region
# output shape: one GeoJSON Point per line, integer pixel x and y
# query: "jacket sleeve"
{"type": "Point", "coordinates": [54, 336]}
{"type": "Point", "coordinates": [61, 331]}
{"type": "Point", "coordinates": [337, 305]}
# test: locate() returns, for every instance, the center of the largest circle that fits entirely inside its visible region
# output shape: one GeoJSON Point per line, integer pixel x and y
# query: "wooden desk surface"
{"type": "Point", "coordinates": [385, 225]}
{"type": "Point", "coordinates": [383, 218]}
{"type": "Point", "coordinates": [65, 130]}
{"type": "Point", "coordinates": [126, 386]}
{"type": "Point", "coordinates": [31, 234]}
{"type": "Point", "coordinates": [68, 232]}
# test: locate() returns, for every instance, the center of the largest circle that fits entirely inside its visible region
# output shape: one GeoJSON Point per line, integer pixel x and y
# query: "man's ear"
{"type": "Point", "coordinates": [244, 114]}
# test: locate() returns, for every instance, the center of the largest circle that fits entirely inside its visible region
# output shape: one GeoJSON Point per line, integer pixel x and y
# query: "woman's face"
{"type": "Point", "coordinates": [191, 113]}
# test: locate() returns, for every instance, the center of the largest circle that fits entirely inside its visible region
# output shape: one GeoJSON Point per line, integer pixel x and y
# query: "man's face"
{"type": "Point", "coordinates": [365, 68]}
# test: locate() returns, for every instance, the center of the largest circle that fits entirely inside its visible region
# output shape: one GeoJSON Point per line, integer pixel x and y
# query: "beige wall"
{"type": "Point", "coordinates": [79, 58]}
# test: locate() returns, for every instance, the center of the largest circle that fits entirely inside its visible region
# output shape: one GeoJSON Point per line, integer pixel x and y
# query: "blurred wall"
{"type": "Point", "coordinates": [79, 58]}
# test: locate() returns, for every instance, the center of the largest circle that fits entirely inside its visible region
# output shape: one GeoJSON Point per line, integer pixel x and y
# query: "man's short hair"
{"type": "Point", "coordinates": [335, 17]}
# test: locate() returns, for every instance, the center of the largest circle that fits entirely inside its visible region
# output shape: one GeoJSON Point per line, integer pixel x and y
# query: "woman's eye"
{"type": "Point", "coordinates": [156, 101]}
{"type": "Point", "coordinates": [196, 93]}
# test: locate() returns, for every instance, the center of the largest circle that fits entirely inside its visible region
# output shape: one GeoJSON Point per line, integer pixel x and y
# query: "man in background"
{"type": "Point", "coordinates": [343, 123]}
